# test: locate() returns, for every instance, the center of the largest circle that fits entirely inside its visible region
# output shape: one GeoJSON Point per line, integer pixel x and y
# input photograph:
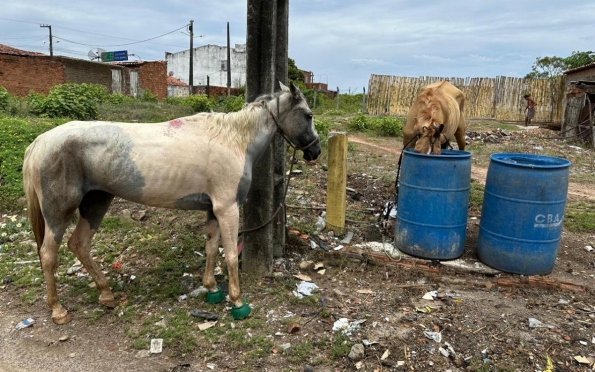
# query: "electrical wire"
{"type": "Point", "coordinates": [117, 45]}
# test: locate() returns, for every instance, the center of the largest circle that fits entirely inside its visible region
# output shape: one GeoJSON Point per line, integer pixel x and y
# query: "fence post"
{"type": "Point", "coordinates": [337, 99]}
{"type": "Point", "coordinates": [208, 86]}
{"type": "Point", "coordinates": [336, 185]}
{"type": "Point", "coordinates": [364, 101]}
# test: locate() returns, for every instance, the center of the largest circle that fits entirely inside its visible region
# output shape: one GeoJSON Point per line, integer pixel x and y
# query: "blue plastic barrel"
{"type": "Point", "coordinates": [432, 204]}
{"type": "Point", "coordinates": [522, 212]}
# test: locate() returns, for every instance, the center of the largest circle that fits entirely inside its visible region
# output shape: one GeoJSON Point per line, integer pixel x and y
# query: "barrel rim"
{"type": "Point", "coordinates": [554, 162]}
{"type": "Point", "coordinates": [446, 153]}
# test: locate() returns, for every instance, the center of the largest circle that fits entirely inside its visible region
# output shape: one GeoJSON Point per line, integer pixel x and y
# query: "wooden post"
{"type": "Point", "coordinates": [364, 101]}
{"type": "Point", "coordinates": [265, 46]}
{"type": "Point", "coordinates": [279, 146]}
{"type": "Point", "coordinates": [337, 99]}
{"type": "Point", "coordinates": [336, 185]}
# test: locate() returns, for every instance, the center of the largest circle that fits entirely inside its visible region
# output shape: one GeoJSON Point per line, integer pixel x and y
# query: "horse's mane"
{"type": "Point", "coordinates": [430, 106]}
{"type": "Point", "coordinates": [237, 129]}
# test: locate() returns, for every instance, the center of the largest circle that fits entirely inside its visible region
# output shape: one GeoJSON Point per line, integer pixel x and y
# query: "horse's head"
{"type": "Point", "coordinates": [428, 141]}
{"type": "Point", "coordinates": [296, 121]}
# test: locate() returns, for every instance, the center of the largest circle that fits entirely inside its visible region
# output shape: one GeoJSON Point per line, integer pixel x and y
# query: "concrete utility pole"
{"type": "Point", "coordinates": [228, 63]}
{"type": "Point", "coordinates": [51, 40]}
{"type": "Point", "coordinates": [266, 64]}
{"type": "Point", "coordinates": [191, 66]}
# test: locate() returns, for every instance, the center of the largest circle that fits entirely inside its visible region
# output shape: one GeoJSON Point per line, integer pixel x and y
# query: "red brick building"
{"type": "Point", "coordinates": [22, 71]}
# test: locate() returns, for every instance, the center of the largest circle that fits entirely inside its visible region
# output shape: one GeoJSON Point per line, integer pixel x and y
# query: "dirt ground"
{"type": "Point", "coordinates": [408, 314]}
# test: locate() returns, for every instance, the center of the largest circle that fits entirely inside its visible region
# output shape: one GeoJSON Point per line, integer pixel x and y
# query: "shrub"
{"type": "Point", "coordinates": [388, 126]}
{"type": "Point", "coordinates": [323, 128]}
{"type": "Point", "coordinates": [147, 96]}
{"type": "Point", "coordinates": [117, 98]}
{"type": "Point", "coordinates": [234, 103]}
{"type": "Point", "coordinates": [199, 103]}
{"type": "Point", "coordinates": [77, 101]}
{"type": "Point", "coordinates": [358, 123]}
{"type": "Point", "coordinates": [174, 100]}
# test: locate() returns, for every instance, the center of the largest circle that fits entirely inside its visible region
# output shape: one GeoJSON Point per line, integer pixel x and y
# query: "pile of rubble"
{"type": "Point", "coordinates": [495, 136]}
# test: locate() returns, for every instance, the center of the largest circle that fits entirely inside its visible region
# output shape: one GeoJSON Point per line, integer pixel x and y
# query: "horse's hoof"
{"type": "Point", "coordinates": [108, 301]}
{"type": "Point", "coordinates": [214, 297]}
{"type": "Point", "coordinates": [240, 312]}
{"type": "Point", "coordinates": [62, 319]}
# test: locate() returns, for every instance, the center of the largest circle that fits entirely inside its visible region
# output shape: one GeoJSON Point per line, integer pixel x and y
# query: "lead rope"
{"type": "Point", "coordinates": [386, 213]}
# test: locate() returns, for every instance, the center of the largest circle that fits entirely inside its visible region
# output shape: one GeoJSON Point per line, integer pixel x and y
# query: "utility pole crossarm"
{"type": "Point", "coordinates": [51, 42]}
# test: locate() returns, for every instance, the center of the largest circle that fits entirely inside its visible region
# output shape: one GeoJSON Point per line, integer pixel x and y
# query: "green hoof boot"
{"type": "Point", "coordinates": [214, 297]}
{"type": "Point", "coordinates": [240, 312]}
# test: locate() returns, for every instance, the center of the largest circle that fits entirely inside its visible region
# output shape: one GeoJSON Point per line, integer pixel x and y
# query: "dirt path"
{"type": "Point", "coordinates": [575, 190]}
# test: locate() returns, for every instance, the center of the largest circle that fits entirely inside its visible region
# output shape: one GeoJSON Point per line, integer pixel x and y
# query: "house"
{"type": "Point", "coordinates": [176, 87]}
{"type": "Point", "coordinates": [579, 104]}
{"type": "Point", "coordinates": [209, 62]}
{"type": "Point", "coordinates": [23, 71]}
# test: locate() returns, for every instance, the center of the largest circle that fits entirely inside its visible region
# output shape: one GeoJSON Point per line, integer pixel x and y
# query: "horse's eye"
{"type": "Point", "coordinates": [309, 116]}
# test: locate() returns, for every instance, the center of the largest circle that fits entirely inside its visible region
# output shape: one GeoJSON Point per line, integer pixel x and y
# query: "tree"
{"type": "Point", "coordinates": [578, 59]}
{"type": "Point", "coordinates": [546, 67]}
{"type": "Point", "coordinates": [293, 72]}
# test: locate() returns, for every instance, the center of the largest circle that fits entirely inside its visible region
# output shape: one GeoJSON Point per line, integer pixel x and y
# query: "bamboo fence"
{"type": "Point", "coordinates": [499, 98]}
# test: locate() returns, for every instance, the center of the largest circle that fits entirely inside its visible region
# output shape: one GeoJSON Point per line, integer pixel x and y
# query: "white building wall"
{"type": "Point", "coordinates": [210, 60]}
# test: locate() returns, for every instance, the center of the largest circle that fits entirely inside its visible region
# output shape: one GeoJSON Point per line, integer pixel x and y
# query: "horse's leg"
{"type": "Point", "coordinates": [92, 209]}
{"type": "Point", "coordinates": [212, 247]}
{"type": "Point", "coordinates": [48, 255]}
{"type": "Point", "coordinates": [228, 225]}
{"type": "Point", "coordinates": [460, 137]}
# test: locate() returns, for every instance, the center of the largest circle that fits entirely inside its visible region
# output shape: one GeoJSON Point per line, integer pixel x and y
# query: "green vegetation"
{"type": "Point", "coordinates": [546, 67]}
{"type": "Point", "coordinates": [580, 216]}
{"type": "Point", "coordinates": [15, 135]}
{"type": "Point", "coordinates": [382, 125]}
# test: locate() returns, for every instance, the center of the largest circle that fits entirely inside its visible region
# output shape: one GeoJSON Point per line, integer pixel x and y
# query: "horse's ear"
{"type": "Point", "coordinates": [283, 87]}
{"type": "Point", "coordinates": [295, 91]}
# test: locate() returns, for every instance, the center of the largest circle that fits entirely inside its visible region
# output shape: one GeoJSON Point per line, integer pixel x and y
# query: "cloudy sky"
{"type": "Point", "coordinates": [342, 42]}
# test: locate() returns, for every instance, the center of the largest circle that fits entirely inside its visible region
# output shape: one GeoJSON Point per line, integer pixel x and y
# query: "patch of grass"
{"type": "Point", "coordinates": [175, 328]}
{"type": "Point", "coordinates": [476, 196]}
{"type": "Point", "coordinates": [15, 135]}
{"type": "Point", "coordinates": [111, 224]}
{"type": "Point", "coordinates": [580, 216]}
{"type": "Point", "coordinates": [341, 346]}
{"type": "Point", "coordinates": [257, 346]}
{"type": "Point", "coordinates": [299, 353]}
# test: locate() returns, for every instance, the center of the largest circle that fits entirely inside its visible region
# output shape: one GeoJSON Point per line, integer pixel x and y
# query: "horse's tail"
{"type": "Point", "coordinates": [30, 178]}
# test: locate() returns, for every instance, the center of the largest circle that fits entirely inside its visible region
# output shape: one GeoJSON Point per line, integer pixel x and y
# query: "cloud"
{"type": "Point", "coordinates": [368, 62]}
{"type": "Point", "coordinates": [428, 58]}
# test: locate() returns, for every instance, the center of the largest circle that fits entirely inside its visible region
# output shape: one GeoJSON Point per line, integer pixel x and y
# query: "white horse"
{"type": "Point", "coordinates": [200, 162]}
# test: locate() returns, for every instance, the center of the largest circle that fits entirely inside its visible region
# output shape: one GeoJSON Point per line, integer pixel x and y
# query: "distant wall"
{"type": "Point", "coordinates": [153, 77]}
{"type": "Point", "coordinates": [21, 74]}
{"type": "Point", "coordinates": [215, 91]}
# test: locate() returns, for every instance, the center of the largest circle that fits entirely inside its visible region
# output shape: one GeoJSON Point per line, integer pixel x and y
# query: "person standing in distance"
{"type": "Point", "coordinates": [530, 109]}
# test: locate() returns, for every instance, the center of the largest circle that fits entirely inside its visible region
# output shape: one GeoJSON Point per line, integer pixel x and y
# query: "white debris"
{"type": "Point", "coordinates": [346, 327]}
{"type": "Point", "coordinates": [304, 288]}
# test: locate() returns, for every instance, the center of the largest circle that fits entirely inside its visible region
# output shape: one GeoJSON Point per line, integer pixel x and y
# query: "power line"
{"type": "Point", "coordinates": [18, 20]}
{"type": "Point", "coordinates": [97, 34]}
{"type": "Point", "coordinates": [117, 45]}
